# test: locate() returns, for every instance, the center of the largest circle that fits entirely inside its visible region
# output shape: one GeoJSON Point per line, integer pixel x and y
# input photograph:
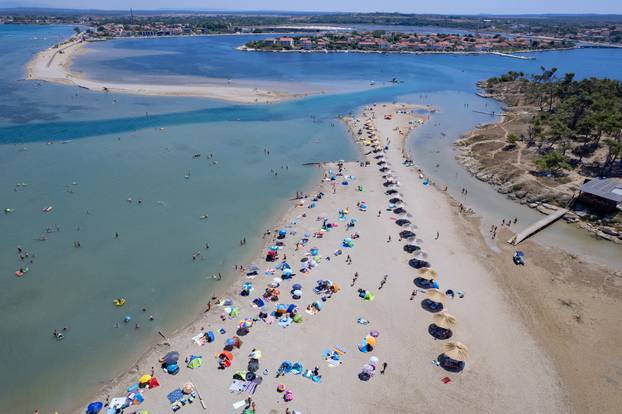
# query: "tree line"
{"type": "Point", "coordinates": [575, 120]}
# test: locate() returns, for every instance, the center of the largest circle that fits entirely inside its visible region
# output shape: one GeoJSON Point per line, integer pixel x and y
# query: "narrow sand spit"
{"type": "Point", "coordinates": [506, 372]}
{"type": "Point", "coordinates": [54, 65]}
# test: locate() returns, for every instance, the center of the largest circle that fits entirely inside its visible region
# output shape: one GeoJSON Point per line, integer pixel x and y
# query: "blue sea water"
{"type": "Point", "coordinates": [85, 153]}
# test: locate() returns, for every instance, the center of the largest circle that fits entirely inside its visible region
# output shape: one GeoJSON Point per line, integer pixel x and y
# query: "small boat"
{"type": "Point", "coordinates": [119, 302]}
{"type": "Point", "coordinates": [47, 209]}
{"type": "Point", "coordinates": [9, 210]}
{"type": "Point", "coordinates": [203, 217]}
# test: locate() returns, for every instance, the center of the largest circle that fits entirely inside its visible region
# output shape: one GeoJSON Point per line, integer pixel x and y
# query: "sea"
{"type": "Point", "coordinates": [128, 179]}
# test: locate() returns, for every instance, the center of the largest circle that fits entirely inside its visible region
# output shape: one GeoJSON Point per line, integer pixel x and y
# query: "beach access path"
{"type": "Point", "coordinates": [506, 371]}
{"type": "Point", "coordinates": [54, 65]}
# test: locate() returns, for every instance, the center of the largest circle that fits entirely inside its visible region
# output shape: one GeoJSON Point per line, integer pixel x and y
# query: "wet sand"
{"type": "Point", "coordinates": [54, 65]}
{"type": "Point", "coordinates": [514, 366]}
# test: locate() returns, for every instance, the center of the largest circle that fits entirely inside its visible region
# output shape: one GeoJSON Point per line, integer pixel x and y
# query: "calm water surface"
{"type": "Point", "coordinates": [105, 149]}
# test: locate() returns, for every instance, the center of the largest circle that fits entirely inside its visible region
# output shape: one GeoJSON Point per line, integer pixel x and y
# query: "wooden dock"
{"type": "Point", "coordinates": [537, 226]}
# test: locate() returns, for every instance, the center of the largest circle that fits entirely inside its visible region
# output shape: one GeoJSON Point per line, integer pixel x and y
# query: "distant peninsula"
{"type": "Point", "coordinates": [384, 41]}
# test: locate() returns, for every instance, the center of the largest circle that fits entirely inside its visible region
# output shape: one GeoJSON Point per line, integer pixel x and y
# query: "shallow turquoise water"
{"type": "Point", "coordinates": [116, 151]}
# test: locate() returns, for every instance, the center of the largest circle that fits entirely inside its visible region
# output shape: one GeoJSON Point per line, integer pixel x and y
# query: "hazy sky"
{"type": "Point", "coordinates": [410, 6]}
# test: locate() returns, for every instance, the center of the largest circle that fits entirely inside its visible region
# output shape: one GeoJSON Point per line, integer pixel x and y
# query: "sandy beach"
{"type": "Point", "coordinates": [54, 65]}
{"type": "Point", "coordinates": [528, 329]}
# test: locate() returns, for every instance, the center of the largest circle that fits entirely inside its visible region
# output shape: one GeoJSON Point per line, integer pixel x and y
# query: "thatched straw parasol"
{"type": "Point", "coordinates": [456, 351]}
{"type": "Point", "coordinates": [444, 320]}
{"type": "Point", "coordinates": [435, 295]}
{"type": "Point", "coordinates": [428, 273]}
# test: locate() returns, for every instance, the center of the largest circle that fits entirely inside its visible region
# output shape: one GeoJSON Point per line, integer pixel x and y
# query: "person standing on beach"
{"type": "Point", "coordinates": [384, 367]}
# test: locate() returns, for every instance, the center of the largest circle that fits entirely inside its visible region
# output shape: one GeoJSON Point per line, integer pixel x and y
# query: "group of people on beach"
{"type": "Point", "coordinates": [504, 222]}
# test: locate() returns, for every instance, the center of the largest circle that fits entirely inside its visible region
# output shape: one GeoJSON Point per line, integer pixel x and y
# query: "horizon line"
{"type": "Point", "coordinates": [195, 10]}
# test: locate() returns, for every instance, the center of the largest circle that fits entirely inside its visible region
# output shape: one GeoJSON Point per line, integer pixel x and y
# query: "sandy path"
{"type": "Point", "coordinates": [54, 65]}
{"type": "Point", "coordinates": [507, 372]}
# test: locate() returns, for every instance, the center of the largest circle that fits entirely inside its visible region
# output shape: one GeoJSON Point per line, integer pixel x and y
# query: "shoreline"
{"type": "Point", "coordinates": [54, 65]}
{"type": "Point", "coordinates": [467, 387]}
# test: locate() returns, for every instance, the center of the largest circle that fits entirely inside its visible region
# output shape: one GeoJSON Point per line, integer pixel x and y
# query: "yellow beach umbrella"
{"type": "Point", "coordinates": [144, 379]}
{"type": "Point", "coordinates": [371, 341]}
{"type": "Point", "coordinates": [456, 350]}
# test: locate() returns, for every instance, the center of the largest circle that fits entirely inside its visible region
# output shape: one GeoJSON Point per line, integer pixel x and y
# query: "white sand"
{"type": "Point", "coordinates": [54, 65]}
{"type": "Point", "coordinates": [506, 372]}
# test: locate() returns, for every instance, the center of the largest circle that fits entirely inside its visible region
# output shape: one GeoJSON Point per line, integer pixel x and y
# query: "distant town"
{"type": "Point", "coordinates": [381, 40]}
{"type": "Point", "coordinates": [517, 32]}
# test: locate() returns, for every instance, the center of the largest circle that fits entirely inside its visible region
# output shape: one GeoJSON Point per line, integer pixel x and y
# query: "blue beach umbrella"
{"type": "Point", "coordinates": [94, 407]}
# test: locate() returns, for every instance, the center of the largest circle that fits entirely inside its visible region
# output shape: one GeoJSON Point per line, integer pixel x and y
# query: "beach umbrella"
{"type": "Point", "coordinates": [435, 295]}
{"type": "Point", "coordinates": [374, 333]}
{"type": "Point", "coordinates": [456, 351]}
{"type": "Point", "coordinates": [370, 340]}
{"type": "Point", "coordinates": [297, 286]}
{"type": "Point", "coordinates": [297, 293]}
{"type": "Point", "coordinates": [171, 358]}
{"type": "Point", "coordinates": [187, 388]}
{"type": "Point", "coordinates": [444, 320]}
{"type": "Point", "coordinates": [246, 323]}
{"type": "Point", "coordinates": [233, 341]}
{"type": "Point", "coordinates": [195, 362]}
{"type": "Point", "coordinates": [253, 268]}
{"type": "Point", "coordinates": [226, 355]}
{"type": "Point", "coordinates": [428, 273]}
{"type": "Point", "coordinates": [144, 379]}
{"type": "Point", "coordinates": [94, 407]}
{"type": "Point", "coordinates": [368, 369]}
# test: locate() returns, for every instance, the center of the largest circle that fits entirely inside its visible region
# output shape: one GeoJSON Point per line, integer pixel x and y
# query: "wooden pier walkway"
{"type": "Point", "coordinates": [537, 226]}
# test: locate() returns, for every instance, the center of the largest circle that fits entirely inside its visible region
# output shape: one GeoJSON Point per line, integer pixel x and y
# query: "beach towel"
{"type": "Point", "coordinates": [175, 395]}
{"type": "Point", "coordinates": [445, 380]}
{"type": "Point", "coordinates": [297, 368]}
{"type": "Point", "coordinates": [285, 322]}
{"type": "Point", "coordinates": [239, 404]}
{"type": "Point", "coordinates": [339, 349]}
{"type": "Point", "coordinates": [251, 388]}
{"type": "Point", "coordinates": [199, 339]}
{"type": "Point", "coordinates": [238, 386]}
{"type": "Point", "coordinates": [118, 402]}
{"type": "Point", "coordinates": [333, 363]}
{"type": "Point", "coordinates": [153, 383]}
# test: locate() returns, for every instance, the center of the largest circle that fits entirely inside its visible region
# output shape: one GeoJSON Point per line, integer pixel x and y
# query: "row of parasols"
{"type": "Point", "coordinates": [454, 353]}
